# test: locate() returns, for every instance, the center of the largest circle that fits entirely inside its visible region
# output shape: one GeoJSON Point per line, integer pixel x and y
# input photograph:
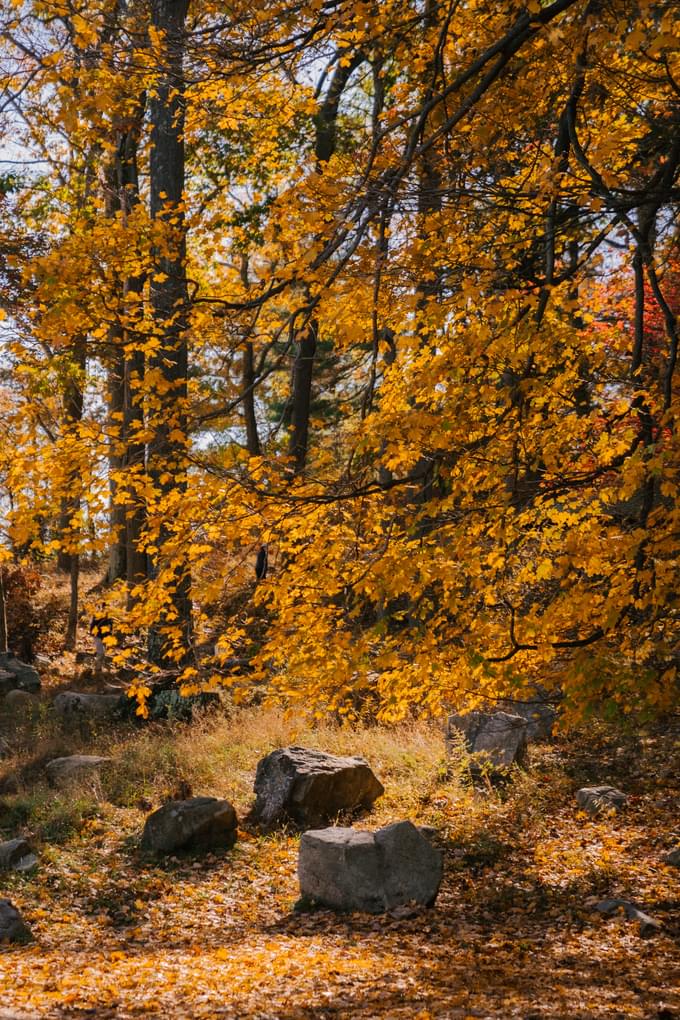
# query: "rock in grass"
{"type": "Point", "coordinates": [16, 855]}
{"type": "Point", "coordinates": [311, 787]}
{"type": "Point", "coordinates": [199, 823]}
{"type": "Point", "coordinates": [348, 869]}
{"type": "Point", "coordinates": [77, 705]}
{"type": "Point", "coordinates": [61, 772]}
{"type": "Point", "coordinates": [598, 799]}
{"type": "Point", "coordinates": [25, 676]}
{"type": "Point", "coordinates": [13, 928]}
{"type": "Point", "coordinates": [20, 701]}
{"type": "Point", "coordinates": [497, 737]}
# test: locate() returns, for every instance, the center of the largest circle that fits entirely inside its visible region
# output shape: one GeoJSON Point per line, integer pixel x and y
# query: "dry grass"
{"type": "Point", "coordinates": [121, 935]}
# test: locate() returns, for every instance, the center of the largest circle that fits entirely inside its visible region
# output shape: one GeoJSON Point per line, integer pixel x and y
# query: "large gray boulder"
{"type": "Point", "coordinates": [348, 869]}
{"type": "Point", "coordinates": [310, 787]}
{"type": "Point", "coordinates": [600, 799]}
{"type": "Point", "coordinates": [77, 705]}
{"type": "Point", "coordinates": [13, 928]}
{"type": "Point", "coordinates": [16, 855]}
{"type": "Point", "coordinates": [500, 739]}
{"type": "Point", "coordinates": [25, 676]}
{"type": "Point", "coordinates": [200, 823]}
{"type": "Point", "coordinates": [62, 772]}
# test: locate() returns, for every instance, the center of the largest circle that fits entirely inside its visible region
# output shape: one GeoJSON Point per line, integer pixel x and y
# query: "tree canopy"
{"type": "Point", "coordinates": [390, 289]}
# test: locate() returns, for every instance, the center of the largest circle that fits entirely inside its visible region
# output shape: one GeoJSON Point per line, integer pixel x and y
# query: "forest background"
{"type": "Point", "coordinates": [390, 289]}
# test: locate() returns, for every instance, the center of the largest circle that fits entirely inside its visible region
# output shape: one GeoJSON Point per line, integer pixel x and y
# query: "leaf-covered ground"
{"type": "Point", "coordinates": [513, 933]}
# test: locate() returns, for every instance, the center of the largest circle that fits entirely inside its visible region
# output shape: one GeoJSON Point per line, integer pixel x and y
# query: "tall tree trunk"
{"type": "Point", "coordinates": [167, 366]}
{"type": "Point", "coordinates": [73, 414]}
{"type": "Point", "coordinates": [303, 367]}
{"type": "Point", "coordinates": [4, 647]}
{"type": "Point", "coordinates": [248, 376]}
{"type": "Point", "coordinates": [126, 375]}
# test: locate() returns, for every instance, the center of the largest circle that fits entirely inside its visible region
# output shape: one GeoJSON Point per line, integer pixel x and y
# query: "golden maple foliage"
{"type": "Point", "coordinates": [416, 251]}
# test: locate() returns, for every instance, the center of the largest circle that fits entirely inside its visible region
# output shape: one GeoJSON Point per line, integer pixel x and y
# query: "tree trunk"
{"type": "Point", "coordinates": [73, 414]}
{"type": "Point", "coordinates": [4, 648]}
{"type": "Point", "coordinates": [167, 366]}
{"type": "Point", "coordinates": [325, 142]}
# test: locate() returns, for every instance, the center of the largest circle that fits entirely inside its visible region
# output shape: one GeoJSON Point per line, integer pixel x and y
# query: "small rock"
{"type": "Point", "coordinates": [16, 855]}
{"type": "Point", "coordinates": [311, 787]}
{"type": "Point", "coordinates": [349, 869]}
{"type": "Point", "coordinates": [200, 823]}
{"type": "Point", "coordinates": [7, 682]}
{"type": "Point", "coordinates": [18, 700]}
{"type": "Point", "coordinates": [13, 928]}
{"type": "Point", "coordinates": [75, 705]}
{"type": "Point", "coordinates": [673, 858]}
{"type": "Point", "coordinates": [61, 772]}
{"type": "Point", "coordinates": [648, 925]}
{"type": "Point", "coordinates": [499, 737]}
{"type": "Point", "coordinates": [25, 676]}
{"type": "Point", "coordinates": [595, 799]}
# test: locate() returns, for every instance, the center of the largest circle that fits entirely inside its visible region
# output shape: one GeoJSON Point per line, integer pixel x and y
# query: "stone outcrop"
{"type": "Point", "coordinates": [309, 787]}
{"type": "Point", "coordinates": [199, 823]}
{"type": "Point", "coordinates": [349, 869]}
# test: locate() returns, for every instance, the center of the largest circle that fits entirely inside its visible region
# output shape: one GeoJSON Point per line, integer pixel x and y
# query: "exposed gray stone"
{"type": "Point", "coordinates": [25, 676]}
{"type": "Point", "coordinates": [16, 855]}
{"type": "Point", "coordinates": [648, 925]}
{"type": "Point", "coordinates": [199, 823]}
{"type": "Point", "coordinates": [77, 705]}
{"type": "Point", "coordinates": [673, 857]}
{"type": "Point", "coordinates": [61, 772]}
{"type": "Point", "coordinates": [20, 701]}
{"type": "Point", "coordinates": [349, 869]}
{"type": "Point", "coordinates": [497, 737]}
{"type": "Point", "coordinates": [310, 787]}
{"type": "Point", "coordinates": [597, 799]}
{"type": "Point", "coordinates": [13, 928]}
{"type": "Point", "coordinates": [7, 682]}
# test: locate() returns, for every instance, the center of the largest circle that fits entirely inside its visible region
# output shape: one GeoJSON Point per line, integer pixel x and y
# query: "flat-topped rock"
{"type": "Point", "coordinates": [311, 787]}
{"type": "Point", "coordinates": [598, 799]}
{"type": "Point", "coordinates": [78, 705]}
{"type": "Point", "coordinates": [61, 772]}
{"type": "Point", "coordinates": [13, 928]}
{"type": "Point", "coordinates": [199, 823]}
{"type": "Point", "coordinates": [350, 869]}
{"type": "Point", "coordinates": [16, 855]}
{"type": "Point", "coordinates": [497, 737]}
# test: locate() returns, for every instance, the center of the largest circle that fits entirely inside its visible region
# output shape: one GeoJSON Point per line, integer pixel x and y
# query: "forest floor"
{"type": "Point", "coordinates": [513, 932]}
